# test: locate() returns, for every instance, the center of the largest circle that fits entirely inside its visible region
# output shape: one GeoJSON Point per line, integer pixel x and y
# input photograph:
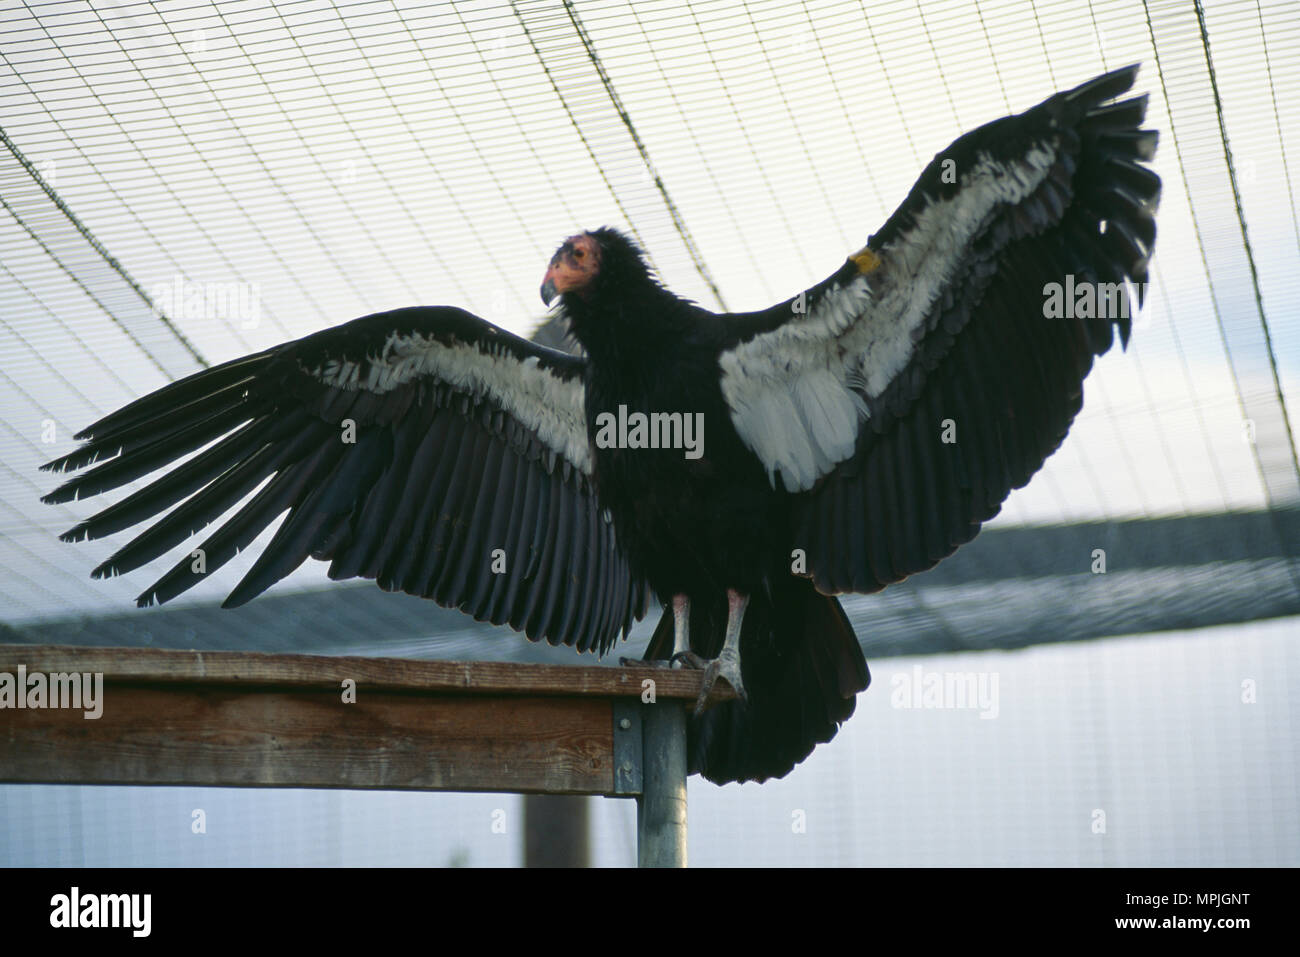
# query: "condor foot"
{"type": "Point", "coordinates": [643, 663]}
{"type": "Point", "coordinates": [689, 659]}
{"type": "Point", "coordinates": [720, 667]}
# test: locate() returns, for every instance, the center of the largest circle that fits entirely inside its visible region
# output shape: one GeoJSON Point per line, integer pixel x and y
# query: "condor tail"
{"type": "Point", "coordinates": [802, 667]}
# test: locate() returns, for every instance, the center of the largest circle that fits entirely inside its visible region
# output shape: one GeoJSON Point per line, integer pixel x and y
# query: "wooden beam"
{"type": "Point", "coordinates": [327, 671]}
{"type": "Point", "coordinates": [246, 719]}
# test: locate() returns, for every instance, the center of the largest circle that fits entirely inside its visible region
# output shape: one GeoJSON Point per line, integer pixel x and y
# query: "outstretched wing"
{"type": "Point", "coordinates": [906, 395]}
{"type": "Point", "coordinates": [423, 448]}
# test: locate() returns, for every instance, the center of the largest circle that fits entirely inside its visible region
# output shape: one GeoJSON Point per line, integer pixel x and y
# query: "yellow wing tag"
{"type": "Point", "coordinates": [865, 260]}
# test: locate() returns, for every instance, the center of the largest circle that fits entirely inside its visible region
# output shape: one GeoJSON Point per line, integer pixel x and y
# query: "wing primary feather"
{"type": "Point", "coordinates": [387, 558]}
{"type": "Point", "coordinates": [856, 520]}
{"type": "Point", "coordinates": [244, 526]}
{"type": "Point", "coordinates": [496, 533]}
{"type": "Point", "coordinates": [589, 623]}
{"type": "Point", "coordinates": [1104, 87]}
{"type": "Point", "coordinates": [517, 525]}
{"type": "Point", "coordinates": [469, 558]}
{"type": "Point", "coordinates": [146, 458]}
{"type": "Point", "coordinates": [205, 506]}
{"type": "Point", "coordinates": [169, 489]}
{"type": "Point", "coordinates": [338, 472]}
{"type": "Point", "coordinates": [523, 528]}
{"type": "Point", "coordinates": [835, 536]}
{"type": "Point", "coordinates": [560, 562]}
{"type": "Point", "coordinates": [911, 539]}
{"type": "Point", "coordinates": [162, 403]}
{"type": "Point", "coordinates": [569, 596]}
{"type": "Point", "coordinates": [929, 503]}
{"type": "Point", "coordinates": [452, 549]}
{"type": "Point", "coordinates": [952, 502]}
{"type": "Point", "coordinates": [358, 554]}
{"type": "Point", "coordinates": [225, 405]}
{"type": "Point", "coordinates": [429, 509]}
{"type": "Point", "coordinates": [549, 516]}
{"type": "Point", "coordinates": [608, 615]}
{"type": "Point", "coordinates": [878, 528]}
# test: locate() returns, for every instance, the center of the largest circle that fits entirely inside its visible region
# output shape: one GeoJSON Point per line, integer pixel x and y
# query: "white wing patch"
{"type": "Point", "coordinates": [794, 391]}
{"type": "Point", "coordinates": [541, 401]}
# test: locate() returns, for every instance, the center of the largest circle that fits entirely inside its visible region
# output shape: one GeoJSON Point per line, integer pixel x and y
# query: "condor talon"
{"type": "Point", "coordinates": [689, 659]}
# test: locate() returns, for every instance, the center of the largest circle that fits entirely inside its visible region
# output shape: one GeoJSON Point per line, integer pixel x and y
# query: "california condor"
{"type": "Point", "coordinates": [742, 468]}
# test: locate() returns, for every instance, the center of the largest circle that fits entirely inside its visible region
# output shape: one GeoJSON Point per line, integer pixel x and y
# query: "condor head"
{"type": "Point", "coordinates": [573, 268]}
{"type": "Point", "coordinates": [600, 259]}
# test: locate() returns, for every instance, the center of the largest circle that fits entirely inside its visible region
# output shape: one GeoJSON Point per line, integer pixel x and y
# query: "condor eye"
{"type": "Point", "coordinates": [579, 253]}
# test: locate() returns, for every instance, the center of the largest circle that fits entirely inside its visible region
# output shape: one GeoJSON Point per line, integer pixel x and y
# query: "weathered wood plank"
{"type": "Point", "coordinates": [376, 674]}
{"type": "Point", "coordinates": [246, 719]}
{"type": "Point", "coordinates": [179, 734]}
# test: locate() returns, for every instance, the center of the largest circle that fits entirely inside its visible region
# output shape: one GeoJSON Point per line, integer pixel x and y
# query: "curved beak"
{"type": "Point", "coordinates": [549, 292]}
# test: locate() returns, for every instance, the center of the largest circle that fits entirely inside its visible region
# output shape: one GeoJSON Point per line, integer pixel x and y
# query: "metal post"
{"type": "Point", "coordinates": [661, 807]}
{"type": "Point", "coordinates": [556, 830]}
